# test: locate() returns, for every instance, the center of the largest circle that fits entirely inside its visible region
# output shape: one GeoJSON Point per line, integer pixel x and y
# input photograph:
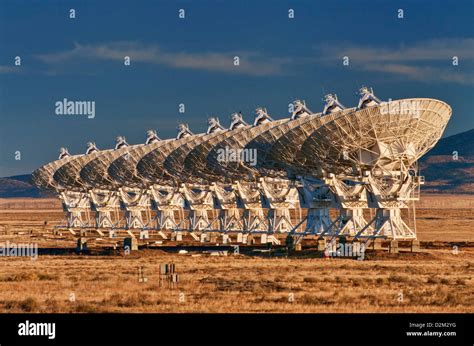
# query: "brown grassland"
{"type": "Point", "coordinates": [437, 279]}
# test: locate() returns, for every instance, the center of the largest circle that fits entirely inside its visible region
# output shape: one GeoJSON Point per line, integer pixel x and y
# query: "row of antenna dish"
{"type": "Point", "coordinates": [299, 109]}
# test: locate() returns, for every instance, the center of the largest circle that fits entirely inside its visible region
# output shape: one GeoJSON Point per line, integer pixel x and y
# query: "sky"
{"type": "Point", "coordinates": [190, 61]}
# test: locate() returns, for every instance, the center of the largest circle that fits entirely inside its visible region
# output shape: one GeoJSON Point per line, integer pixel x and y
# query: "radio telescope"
{"type": "Point", "coordinates": [174, 162]}
{"type": "Point", "coordinates": [124, 168]}
{"type": "Point", "coordinates": [352, 160]}
{"type": "Point", "coordinates": [43, 176]}
{"type": "Point", "coordinates": [151, 166]}
{"type": "Point", "coordinates": [368, 158]}
{"type": "Point", "coordinates": [285, 153]}
{"type": "Point", "coordinates": [195, 162]}
{"type": "Point", "coordinates": [254, 194]}
{"type": "Point", "coordinates": [387, 136]}
{"type": "Point", "coordinates": [227, 159]}
{"type": "Point", "coordinates": [68, 175]}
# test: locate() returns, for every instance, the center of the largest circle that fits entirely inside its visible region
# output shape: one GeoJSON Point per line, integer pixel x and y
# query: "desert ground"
{"type": "Point", "coordinates": [439, 278]}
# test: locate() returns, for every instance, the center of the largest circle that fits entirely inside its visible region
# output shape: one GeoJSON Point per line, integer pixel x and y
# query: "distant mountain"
{"type": "Point", "coordinates": [19, 186]}
{"type": "Point", "coordinates": [448, 168]}
{"type": "Point", "coordinates": [462, 143]}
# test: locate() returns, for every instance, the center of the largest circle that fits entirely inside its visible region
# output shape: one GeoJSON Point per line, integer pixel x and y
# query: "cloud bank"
{"type": "Point", "coordinates": [426, 61]}
{"type": "Point", "coordinates": [251, 63]}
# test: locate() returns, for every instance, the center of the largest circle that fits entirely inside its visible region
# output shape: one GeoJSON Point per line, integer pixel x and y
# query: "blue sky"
{"type": "Point", "coordinates": [190, 61]}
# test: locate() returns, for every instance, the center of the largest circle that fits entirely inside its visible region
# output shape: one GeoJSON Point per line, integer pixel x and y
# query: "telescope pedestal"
{"type": "Point", "coordinates": [351, 221]}
{"type": "Point", "coordinates": [281, 196]}
{"type": "Point", "coordinates": [230, 217]}
{"type": "Point", "coordinates": [391, 194]}
{"type": "Point", "coordinates": [316, 198]}
{"type": "Point", "coordinates": [166, 200]}
{"type": "Point", "coordinates": [255, 220]}
{"type": "Point", "coordinates": [199, 200]}
{"type": "Point", "coordinates": [166, 219]}
{"type": "Point", "coordinates": [134, 202]}
{"type": "Point", "coordinates": [350, 197]}
{"type": "Point", "coordinates": [251, 198]}
{"type": "Point", "coordinates": [389, 223]}
{"type": "Point", "coordinates": [103, 218]}
{"type": "Point", "coordinates": [77, 207]}
{"type": "Point", "coordinates": [230, 220]}
{"type": "Point", "coordinates": [134, 218]}
{"type": "Point", "coordinates": [317, 221]}
{"type": "Point", "coordinates": [104, 203]}
{"type": "Point", "coordinates": [279, 220]}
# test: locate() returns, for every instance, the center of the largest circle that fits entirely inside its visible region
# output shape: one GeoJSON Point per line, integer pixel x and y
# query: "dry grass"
{"type": "Point", "coordinates": [436, 280]}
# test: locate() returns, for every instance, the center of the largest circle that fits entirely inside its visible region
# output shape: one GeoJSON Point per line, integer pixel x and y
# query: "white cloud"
{"type": "Point", "coordinates": [251, 63]}
{"type": "Point", "coordinates": [427, 61]}
{"type": "Point", "coordinates": [432, 50]}
{"type": "Point", "coordinates": [423, 73]}
{"type": "Point", "coordinates": [9, 69]}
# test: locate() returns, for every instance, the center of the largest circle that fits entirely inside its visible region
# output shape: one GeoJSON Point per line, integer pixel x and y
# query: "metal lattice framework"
{"type": "Point", "coordinates": [247, 179]}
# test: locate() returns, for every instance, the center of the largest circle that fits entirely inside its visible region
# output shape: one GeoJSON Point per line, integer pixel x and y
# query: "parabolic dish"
{"type": "Point", "coordinates": [43, 176]}
{"type": "Point", "coordinates": [228, 169]}
{"type": "Point", "coordinates": [195, 162]}
{"type": "Point", "coordinates": [379, 136]}
{"type": "Point", "coordinates": [285, 153]}
{"type": "Point", "coordinates": [124, 169]}
{"type": "Point", "coordinates": [174, 163]}
{"type": "Point", "coordinates": [151, 166]}
{"type": "Point", "coordinates": [95, 172]}
{"type": "Point", "coordinates": [68, 175]}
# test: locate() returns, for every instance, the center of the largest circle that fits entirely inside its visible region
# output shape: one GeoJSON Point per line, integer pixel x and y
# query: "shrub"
{"type": "Point", "coordinates": [28, 305]}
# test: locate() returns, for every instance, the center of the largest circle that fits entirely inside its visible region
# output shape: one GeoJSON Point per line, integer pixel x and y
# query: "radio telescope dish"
{"type": "Point", "coordinates": [264, 142]}
{"type": "Point", "coordinates": [43, 176]}
{"type": "Point", "coordinates": [233, 167]}
{"type": "Point", "coordinates": [124, 169]}
{"type": "Point", "coordinates": [68, 175]}
{"type": "Point", "coordinates": [195, 162]}
{"type": "Point", "coordinates": [284, 154]}
{"type": "Point", "coordinates": [95, 173]}
{"type": "Point", "coordinates": [387, 135]}
{"type": "Point", "coordinates": [151, 166]}
{"type": "Point", "coordinates": [174, 163]}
